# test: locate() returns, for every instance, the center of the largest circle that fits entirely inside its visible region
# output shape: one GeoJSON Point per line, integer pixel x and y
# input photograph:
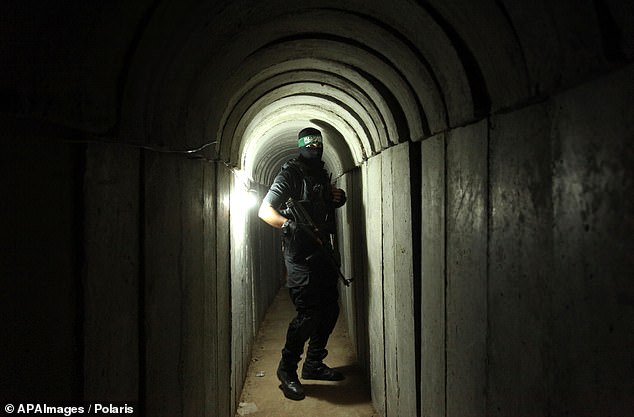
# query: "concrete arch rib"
{"type": "Point", "coordinates": [405, 106]}
{"type": "Point", "coordinates": [217, 47]}
{"type": "Point", "coordinates": [305, 92]}
{"type": "Point", "coordinates": [370, 32]}
{"type": "Point", "coordinates": [282, 145]}
{"type": "Point", "coordinates": [254, 140]}
{"type": "Point", "coordinates": [346, 86]}
{"type": "Point", "coordinates": [489, 36]}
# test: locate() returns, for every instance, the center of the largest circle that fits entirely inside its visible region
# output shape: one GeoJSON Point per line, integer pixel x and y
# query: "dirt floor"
{"type": "Point", "coordinates": [261, 395]}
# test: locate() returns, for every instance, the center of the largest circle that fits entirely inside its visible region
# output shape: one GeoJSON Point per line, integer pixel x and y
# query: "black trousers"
{"type": "Point", "coordinates": [317, 309]}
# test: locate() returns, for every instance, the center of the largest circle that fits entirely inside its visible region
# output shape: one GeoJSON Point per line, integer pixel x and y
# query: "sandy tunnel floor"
{"type": "Point", "coordinates": [261, 395]}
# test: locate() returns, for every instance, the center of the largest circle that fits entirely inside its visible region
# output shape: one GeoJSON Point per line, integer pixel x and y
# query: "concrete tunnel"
{"type": "Point", "coordinates": [485, 147]}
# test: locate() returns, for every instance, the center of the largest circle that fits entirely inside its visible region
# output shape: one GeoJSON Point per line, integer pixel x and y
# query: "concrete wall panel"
{"type": "Point", "coordinates": [355, 221]}
{"type": "Point", "coordinates": [345, 244]}
{"type": "Point", "coordinates": [372, 175]}
{"type": "Point", "coordinates": [268, 267]}
{"type": "Point", "coordinates": [40, 263]}
{"type": "Point", "coordinates": [520, 271]}
{"type": "Point", "coordinates": [192, 287]}
{"type": "Point", "coordinates": [163, 286]}
{"type": "Point", "coordinates": [466, 297]}
{"type": "Point", "coordinates": [212, 325]}
{"type": "Point", "coordinates": [593, 191]}
{"type": "Point", "coordinates": [111, 282]}
{"type": "Point", "coordinates": [389, 288]}
{"type": "Point", "coordinates": [398, 286]}
{"type": "Point", "coordinates": [256, 277]}
{"type": "Point", "coordinates": [242, 286]}
{"type": "Point", "coordinates": [403, 276]}
{"type": "Point", "coordinates": [174, 287]}
{"type": "Point", "coordinates": [226, 397]}
{"type": "Point", "coordinates": [433, 357]}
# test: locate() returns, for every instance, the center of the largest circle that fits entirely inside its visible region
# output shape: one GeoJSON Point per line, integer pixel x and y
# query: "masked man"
{"type": "Point", "coordinates": [312, 281]}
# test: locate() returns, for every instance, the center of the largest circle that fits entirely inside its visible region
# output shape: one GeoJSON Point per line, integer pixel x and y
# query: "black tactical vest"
{"type": "Point", "coordinates": [314, 193]}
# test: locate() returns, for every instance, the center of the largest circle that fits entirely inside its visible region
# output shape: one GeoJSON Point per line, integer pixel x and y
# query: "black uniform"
{"type": "Point", "coordinates": [312, 282]}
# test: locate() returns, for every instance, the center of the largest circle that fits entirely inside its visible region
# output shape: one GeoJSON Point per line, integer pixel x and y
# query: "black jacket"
{"type": "Point", "coordinates": [310, 186]}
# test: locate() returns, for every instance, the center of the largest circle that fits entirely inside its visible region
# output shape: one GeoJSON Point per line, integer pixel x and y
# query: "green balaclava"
{"type": "Point", "coordinates": [310, 136]}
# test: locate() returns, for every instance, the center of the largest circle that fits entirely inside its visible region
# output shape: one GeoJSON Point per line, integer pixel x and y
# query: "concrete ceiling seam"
{"type": "Point", "coordinates": [481, 33]}
{"type": "Point", "coordinates": [372, 50]}
{"type": "Point", "coordinates": [339, 76]}
{"type": "Point", "coordinates": [425, 95]}
{"type": "Point", "coordinates": [327, 94]}
{"type": "Point", "coordinates": [343, 92]}
{"type": "Point", "coordinates": [356, 32]}
{"type": "Point", "coordinates": [334, 152]}
{"type": "Point", "coordinates": [410, 106]}
{"type": "Point", "coordinates": [300, 108]}
{"type": "Point", "coordinates": [393, 54]}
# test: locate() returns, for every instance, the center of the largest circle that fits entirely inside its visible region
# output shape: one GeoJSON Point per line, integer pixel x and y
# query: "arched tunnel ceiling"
{"type": "Point", "coordinates": [350, 82]}
{"type": "Point", "coordinates": [375, 73]}
{"type": "Point", "coordinates": [364, 75]}
{"type": "Point", "coordinates": [371, 74]}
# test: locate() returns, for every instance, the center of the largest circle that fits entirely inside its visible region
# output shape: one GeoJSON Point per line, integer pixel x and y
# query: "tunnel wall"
{"type": "Point", "coordinates": [560, 259]}
{"type": "Point", "coordinates": [524, 264]}
{"type": "Point", "coordinates": [157, 282]}
{"type": "Point", "coordinates": [382, 289]}
{"type": "Point", "coordinates": [157, 239]}
{"type": "Point", "coordinates": [173, 286]}
{"type": "Point", "coordinates": [269, 276]}
{"type": "Point", "coordinates": [256, 277]}
{"type": "Point", "coordinates": [553, 179]}
{"type": "Point", "coordinates": [117, 275]}
{"type": "Point", "coordinates": [242, 296]}
{"type": "Point", "coordinates": [220, 397]}
{"type": "Point", "coordinates": [398, 291]}
{"type": "Point", "coordinates": [466, 263]}
{"type": "Point", "coordinates": [521, 260]}
{"type": "Point", "coordinates": [111, 270]}
{"type": "Point", "coordinates": [593, 185]}
{"type": "Point", "coordinates": [524, 256]}
{"type": "Point", "coordinates": [433, 249]}
{"type": "Point", "coordinates": [351, 234]}
{"type": "Point", "coordinates": [373, 213]}
{"type": "Point", "coordinates": [40, 262]}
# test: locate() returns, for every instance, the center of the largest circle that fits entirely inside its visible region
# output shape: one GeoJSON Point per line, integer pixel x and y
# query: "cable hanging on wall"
{"type": "Point", "coordinates": [149, 147]}
{"type": "Point", "coordinates": [192, 153]}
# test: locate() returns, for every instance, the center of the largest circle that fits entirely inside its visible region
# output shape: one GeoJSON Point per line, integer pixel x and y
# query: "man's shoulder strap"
{"type": "Point", "coordinates": [295, 165]}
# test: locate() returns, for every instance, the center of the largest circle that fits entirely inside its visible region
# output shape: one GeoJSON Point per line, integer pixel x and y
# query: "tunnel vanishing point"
{"type": "Point", "coordinates": [485, 147]}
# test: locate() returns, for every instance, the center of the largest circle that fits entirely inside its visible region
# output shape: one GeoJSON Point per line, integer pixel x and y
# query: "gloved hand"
{"type": "Point", "coordinates": [289, 228]}
{"type": "Point", "coordinates": [337, 196]}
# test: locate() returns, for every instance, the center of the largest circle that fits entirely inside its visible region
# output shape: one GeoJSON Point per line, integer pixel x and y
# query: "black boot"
{"type": "Point", "coordinates": [320, 371]}
{"type": "Point", "coordinates": [290, 385]}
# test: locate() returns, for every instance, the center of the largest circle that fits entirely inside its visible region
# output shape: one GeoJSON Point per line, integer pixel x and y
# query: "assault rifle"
{"type": "Point", "coordinates": [301, 216]}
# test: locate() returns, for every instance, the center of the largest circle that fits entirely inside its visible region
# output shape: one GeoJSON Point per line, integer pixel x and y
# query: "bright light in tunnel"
{"type": "Point", "coordinates": [270, 133]}
{"type": "Point", "coordinates": [242, 177]}
{"type": "Point", "coordinates": [244, 197]}
{"type": "Point", "coordinates": [247, 199]}
{"type": "Point", "coordinates": [242, 200]}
